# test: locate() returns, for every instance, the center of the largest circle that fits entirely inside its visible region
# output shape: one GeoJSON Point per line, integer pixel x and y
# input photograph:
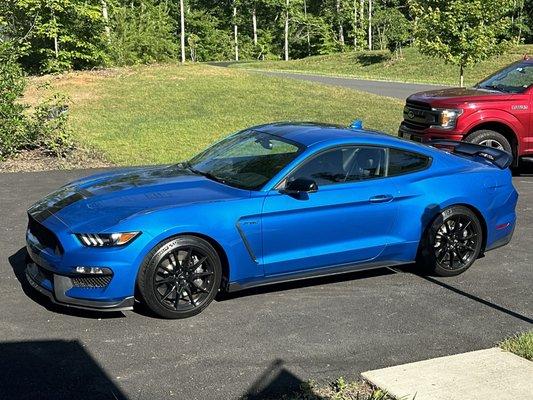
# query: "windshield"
{"type": "Point", "coordinates": [246, 160]}
{"type": "Point", "coordinates": [513, 79]}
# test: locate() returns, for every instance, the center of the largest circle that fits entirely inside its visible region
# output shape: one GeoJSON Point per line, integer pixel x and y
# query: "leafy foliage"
{"type": "Point", "coordinates": [45, 128]}
{"type": "Point", "coordinates": [462, 32]}
{"type": "Point", "coordinates": [520, 344]}
{"type": "Point", "coordinates": [56, 34]}
{"type": "Point", "coordinates": [394, 30]}
{"type": "Point", "coordinates": [141, 32]}
{"type": "Point", "coordinates": [13, 123]}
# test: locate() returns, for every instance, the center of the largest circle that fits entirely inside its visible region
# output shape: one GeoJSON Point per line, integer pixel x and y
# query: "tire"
{"type": "Point", "coordinates": [490, 138]}
{"type": "Point", "coordinates": [451, 243]}
{"type": "Point", "coordinates": [180, 277]}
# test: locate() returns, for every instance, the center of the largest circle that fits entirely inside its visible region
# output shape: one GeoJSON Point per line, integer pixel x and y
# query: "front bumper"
{"type": "Point", "coordinates": [55, 286]}
{"type": "Point", "coordinates": [428, 134]}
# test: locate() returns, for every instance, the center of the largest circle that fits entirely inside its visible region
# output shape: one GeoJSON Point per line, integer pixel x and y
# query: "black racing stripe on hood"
{"type": "Point", "coordinates": [40, 213]}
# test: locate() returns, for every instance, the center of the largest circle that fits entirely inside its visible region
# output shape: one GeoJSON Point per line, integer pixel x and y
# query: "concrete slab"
{"type": "Point", "coordinates": [491, 374]}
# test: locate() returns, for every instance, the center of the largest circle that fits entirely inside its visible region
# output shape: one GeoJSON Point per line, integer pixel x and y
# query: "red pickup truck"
{"type": "Point", "coordinates": [497, 112]}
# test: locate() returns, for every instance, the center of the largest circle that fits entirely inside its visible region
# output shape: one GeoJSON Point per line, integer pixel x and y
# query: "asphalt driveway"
{"type": "Point", "coordinates": [397, 90]}
{"type": "Point", "coordinates": [263, 340]}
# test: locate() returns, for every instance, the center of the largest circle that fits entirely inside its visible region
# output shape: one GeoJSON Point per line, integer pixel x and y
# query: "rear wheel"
{"type": "Point", "coordinates": [180, 277]}
{"type": "Point", "coordinates": [452, 243]}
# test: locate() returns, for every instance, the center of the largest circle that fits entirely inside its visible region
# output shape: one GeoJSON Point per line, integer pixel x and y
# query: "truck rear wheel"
{"type": "Point", "coordinates": [486, 137]}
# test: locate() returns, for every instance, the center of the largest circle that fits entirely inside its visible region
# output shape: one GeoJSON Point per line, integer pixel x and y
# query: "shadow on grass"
{"type": "Point", "coordinates": [367, 59]}
{"type": "Point", "coordinates": [52, 369]}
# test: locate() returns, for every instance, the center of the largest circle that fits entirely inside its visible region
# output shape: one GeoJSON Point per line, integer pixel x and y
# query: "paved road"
{"type": "Point", "coordinates": [259, 341]}
{"type": "Point", "coordinates": [398, 90]}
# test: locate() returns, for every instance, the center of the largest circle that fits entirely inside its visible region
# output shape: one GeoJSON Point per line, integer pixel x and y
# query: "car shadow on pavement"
{"type": "Point", "coordinates": [323, 280]}
{"type": "Point", "coordinates": [18, 264]}
{"type": "Point", "coordinates": [276, 382]}
{"type": "Point", "coordinates": [52, 369]}
{"type": "Point", "coordinates": [412, 270]}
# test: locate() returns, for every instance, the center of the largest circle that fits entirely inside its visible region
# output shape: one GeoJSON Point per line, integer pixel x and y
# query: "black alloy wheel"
{"type": "Point", "coordinates": [180, 277]}
{"type": "Point", "coordinates": [453, 242]}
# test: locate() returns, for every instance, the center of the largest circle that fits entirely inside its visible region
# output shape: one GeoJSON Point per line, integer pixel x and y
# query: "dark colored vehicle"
{"type": "Point", "coordinates": [497, 112]}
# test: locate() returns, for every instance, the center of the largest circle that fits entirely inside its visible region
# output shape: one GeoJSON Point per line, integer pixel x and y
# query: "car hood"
{"type": "Point", "coordinates": [458, 95]}
{"type": "Point", "coordinates": [99, 202]}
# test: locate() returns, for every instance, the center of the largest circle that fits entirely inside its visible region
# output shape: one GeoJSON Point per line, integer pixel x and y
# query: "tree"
{"type": "Point", "coordinates": [56, 34]}
{"type": "Point", "coordinates": [393, 29]}
{"type": "Point", "coordinates": [182, 31]}
{"type": "Point", "coordinates": [369, 24]}
{"type": "Point", "coordinates": [235, 30]}
{"type": "Point", "coordinates": [142, 32]}
{"type": "Point", "coordinates": [462, 32]}
{"type": "Point", "coordinates": [286, 36]}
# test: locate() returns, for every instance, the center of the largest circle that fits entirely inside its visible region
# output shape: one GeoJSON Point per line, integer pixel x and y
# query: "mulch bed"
{"type": "Point", "coordinates": [38, 160]}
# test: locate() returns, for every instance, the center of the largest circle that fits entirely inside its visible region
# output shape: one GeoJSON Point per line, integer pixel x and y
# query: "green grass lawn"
{"type": "Point", "coordinates": [167, 113]}
{"type": "Point", "coordinates": [414, 67]}
{"type": "Point", "coordinates": [521, 344]}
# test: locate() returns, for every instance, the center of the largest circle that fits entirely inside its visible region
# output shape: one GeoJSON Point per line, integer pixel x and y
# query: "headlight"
{"type": "Point", "coordinates": [446, 117]}
{"type": "Point", "coordinates": [106, 239]}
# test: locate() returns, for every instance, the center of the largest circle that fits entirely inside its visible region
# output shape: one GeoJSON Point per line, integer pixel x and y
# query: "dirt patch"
{"type": "Point", "coordinates": [38, 160]}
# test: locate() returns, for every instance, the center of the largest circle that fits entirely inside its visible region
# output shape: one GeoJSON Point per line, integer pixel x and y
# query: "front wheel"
{"type": "Point", "coordinates": [452, 243]}
{"type": "Point", "coordinates": [489, 138]}
{"type": "Point", "coordinates": [180, 277]}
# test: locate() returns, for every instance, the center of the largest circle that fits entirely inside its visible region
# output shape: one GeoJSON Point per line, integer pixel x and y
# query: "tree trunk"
{"type": "Point", "coordinates": [235, 30]}
{"type": "Point", "coordinates": [362, 21]}
{"type": "Point", "coordinates": [105, 17]}
{"type": "Point", "coordinates": [307, 28]}
{"type": "Point", "coordinates": [369, 24]}
{"type": "Point", "coordinates": [461, 78]}
{"type": "Point", "coordinates": [354, 26]}
{"type": "Point", "coordinates": [182, 27]}
{"type": "Point", "coordinates": [254, 24]}
{"type": "Point", "coordinates": [286, 46]}
{"type": "Point", "coordinates": [56, 41]}
{"type": "Point", "coordinates": [339, 20]}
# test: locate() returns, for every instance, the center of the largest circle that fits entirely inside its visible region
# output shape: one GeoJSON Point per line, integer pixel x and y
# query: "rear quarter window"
{"type": "Point", "coordinates": [404, 162]}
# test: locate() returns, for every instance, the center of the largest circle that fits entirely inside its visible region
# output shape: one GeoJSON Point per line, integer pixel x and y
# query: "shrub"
{"type": "Point", "coordinates": [13, 124]}
{"type": "Point", "coordinates": [48, 126]}
{"type": "Point", "coordinates": [44, 128]}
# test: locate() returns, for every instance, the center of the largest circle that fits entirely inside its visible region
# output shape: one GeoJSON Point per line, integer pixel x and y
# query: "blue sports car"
{"type": "Point", "coordinates": [272, 203]}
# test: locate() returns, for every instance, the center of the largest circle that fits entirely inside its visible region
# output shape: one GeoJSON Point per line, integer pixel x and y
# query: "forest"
{"type": "Point", "coordinates": [57, 35]}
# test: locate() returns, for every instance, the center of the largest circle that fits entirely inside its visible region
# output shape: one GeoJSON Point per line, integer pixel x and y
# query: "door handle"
{"type": "Point", "coordinates": [382, 198]}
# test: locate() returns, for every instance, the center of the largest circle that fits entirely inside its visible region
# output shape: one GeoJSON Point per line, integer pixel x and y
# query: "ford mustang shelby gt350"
{"type": "Point", "coordinates": [272, 203]}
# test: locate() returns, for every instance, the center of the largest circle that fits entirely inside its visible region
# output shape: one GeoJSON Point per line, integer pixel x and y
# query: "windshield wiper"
{"type": "Point", "coordinates": [208, 175]}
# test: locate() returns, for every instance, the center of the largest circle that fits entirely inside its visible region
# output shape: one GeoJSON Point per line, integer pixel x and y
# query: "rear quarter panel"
{"type": "Point", "coordinates": [449, 181]}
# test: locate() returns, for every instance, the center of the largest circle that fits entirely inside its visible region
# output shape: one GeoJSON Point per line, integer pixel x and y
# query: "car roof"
{"type": "Point", "coordinates": [309, 134]}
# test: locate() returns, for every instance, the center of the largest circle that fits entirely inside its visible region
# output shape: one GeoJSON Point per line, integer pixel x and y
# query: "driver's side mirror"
{"type": "Point", "coordinates": [299, 186]}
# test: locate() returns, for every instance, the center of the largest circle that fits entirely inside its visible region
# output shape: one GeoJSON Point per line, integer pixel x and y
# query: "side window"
{"type": "Point", "coordinates": [344, 164]}
{"type": "Point", "coordinates": [367, 163]}
{"type": "Point", "coordinates": [327, 168]}
{"type": "Point", "coordinates": [402, 162]}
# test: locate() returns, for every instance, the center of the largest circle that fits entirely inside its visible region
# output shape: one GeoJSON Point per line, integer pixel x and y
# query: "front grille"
{"type": "Point", "coordinates": [91, 281]}
{"type": "Point", "coordinates": [418, 104]}
{"type": "Point", "coordinates": [44, 235]}
{"type": "Point", "coordinates": [418, 115]}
